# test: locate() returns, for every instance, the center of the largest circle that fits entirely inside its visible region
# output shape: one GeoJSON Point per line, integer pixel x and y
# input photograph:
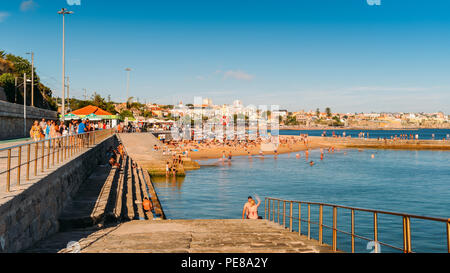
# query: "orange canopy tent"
{"type": "Point", "coordinates": [90, 109]}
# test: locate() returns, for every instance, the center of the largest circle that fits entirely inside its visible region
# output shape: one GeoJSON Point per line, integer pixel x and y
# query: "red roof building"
{"type": "Point", "coordinates": [90, 109]}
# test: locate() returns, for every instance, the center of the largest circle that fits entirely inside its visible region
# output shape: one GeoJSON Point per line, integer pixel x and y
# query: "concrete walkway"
{"type": "Point", "coordinates": [185, 236]}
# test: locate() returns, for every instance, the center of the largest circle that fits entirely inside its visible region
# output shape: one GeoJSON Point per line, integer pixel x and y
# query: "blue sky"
{"type": "Point", "coordinates": [299, 54]}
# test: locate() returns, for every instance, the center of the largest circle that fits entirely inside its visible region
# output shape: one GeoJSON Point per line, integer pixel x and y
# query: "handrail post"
{"type": "Point", "coordinates": [353, 231]}
{"type": "Point", "coordinates": [448, 236]}
{"type": "Point", "coordinates": [408, 228]}
{"type": "Point", "coordinates": [406, 235]}
{"type": "Point", "coordinates": [8, 174]}
{"type": "Point", "coordinates": [299, 218]}
{"type": "Point", "coordinates": [265, 208]}
{"type": "Point", "coordinates": [278, 211]}
{"type": "Point", "coordinates": [48, 154]}
{"type": "Point", "coordinates": [273, 210]}
{"type": "Point", "coordinates": [28, 161]}
{"type": "Point", "coordinates": [64, 140]}
{"type": "Point", "coordinates": [309, 221]}
{"type": "Point", "coordinates": [284, 213]}
{"type": "Point", "coordinates": [18, 165]}
{"type": "Point", "coordinates": [334, 228]}
{"type": "Point", "coordinates": [53, 152]}
{"type": "Point", "coordinates": [57, 151]}
{"type": "Point", "coordinates": [290, 216]}
{"type": "Point", "coordinates": [375, 231]}
{"type": "Point", "coordinates": [35, 158]}
{"type": "Point", "coordinates": [320, 224]}
{"type": "Point", "coordinates": [42, 158]}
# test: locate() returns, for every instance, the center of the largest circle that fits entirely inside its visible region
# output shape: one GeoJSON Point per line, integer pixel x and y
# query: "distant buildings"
{"type": "Point", "coordinates": [302, 118]}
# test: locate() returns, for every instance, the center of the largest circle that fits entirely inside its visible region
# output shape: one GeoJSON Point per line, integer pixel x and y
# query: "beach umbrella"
{"type": "Point", "coordinates": [71, 116]}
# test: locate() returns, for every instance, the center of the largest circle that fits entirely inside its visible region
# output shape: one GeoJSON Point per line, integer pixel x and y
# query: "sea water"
{"type": "Point", "coordinates": [415, 182]}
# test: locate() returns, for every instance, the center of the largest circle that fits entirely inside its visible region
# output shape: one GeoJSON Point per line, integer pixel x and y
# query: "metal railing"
{"type": "Point", "coordinates": [272, 213]}
{"type": "Point", "coordinates": [36, 157]}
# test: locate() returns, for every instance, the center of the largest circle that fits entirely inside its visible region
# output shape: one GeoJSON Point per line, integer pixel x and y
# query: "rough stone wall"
{"type": "Point", "coordinates": [11, 119]}
{"type": "Point", "coordinates": [2, 94]}
{"type": "Point", "coordinates": [33, 215]}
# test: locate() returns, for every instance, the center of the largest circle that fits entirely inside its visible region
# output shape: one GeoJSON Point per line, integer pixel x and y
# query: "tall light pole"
{"type": "Point", "coordinates": [63, 12]}
{"type": "Point", "coordinates": [68, 94]}
{"type": "Point", "coordinates": [32, 77]}
{"type": "Point", "coordinates": [24, 104]}
{"type": "Point", "coordinates": [128, 82]}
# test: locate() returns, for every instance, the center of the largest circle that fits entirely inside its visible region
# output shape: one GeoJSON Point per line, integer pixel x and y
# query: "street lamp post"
{"type": "Point", "coordinates": [32, 78]}
{"type": "Point", "coordinates": [16, 85]}
{"type": "Point", "coordinates": [63, 12]}
{"type": "Point", "coordinates": [24, 104]}
{"type": "Point", "coordinates": [128, 82]}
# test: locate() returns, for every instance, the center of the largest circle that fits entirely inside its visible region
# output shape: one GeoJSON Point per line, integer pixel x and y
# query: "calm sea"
{"type": "Point", "coordinates": [437, 134]}
{"type": "Point", "coordinates": [416, 182]}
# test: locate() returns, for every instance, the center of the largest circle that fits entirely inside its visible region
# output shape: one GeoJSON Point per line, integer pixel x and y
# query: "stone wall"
{"type": "Point", "coordinates": [2, 94]}
{"type": "Point", "coordinates": [33, 215]}
{"type": "Point", "coordinates": [12, 123]}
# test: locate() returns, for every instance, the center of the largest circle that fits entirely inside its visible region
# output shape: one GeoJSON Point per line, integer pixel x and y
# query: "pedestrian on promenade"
{"type": "Point", "coordinates": [82, 127]}
{"type": "Point", "coordinates": [35, 132]}
{"type": "Point", "coordinates": [47, 129]}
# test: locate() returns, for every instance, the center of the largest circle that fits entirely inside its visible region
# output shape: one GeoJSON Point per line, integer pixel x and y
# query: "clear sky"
{"type": "Point", "coordinates": [303, 54]}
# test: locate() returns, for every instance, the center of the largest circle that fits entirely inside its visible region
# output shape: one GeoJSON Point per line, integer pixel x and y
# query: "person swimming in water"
{"type": "Point", "coordinates": [311, 163]}
{"type": "Point", "coordinates": [251, 208]}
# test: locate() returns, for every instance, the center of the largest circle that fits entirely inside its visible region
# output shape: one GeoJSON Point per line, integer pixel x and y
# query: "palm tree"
{"type": "Point", "coordinates": [328, 111]}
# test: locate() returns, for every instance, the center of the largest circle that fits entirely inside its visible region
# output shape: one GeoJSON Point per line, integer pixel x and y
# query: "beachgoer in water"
{"type": "Point", "coordinates": [253, 209]}
{"type": "Point", "coordinates": [311, 163]}
{"type": "Point", "coordinates": [246, 208]}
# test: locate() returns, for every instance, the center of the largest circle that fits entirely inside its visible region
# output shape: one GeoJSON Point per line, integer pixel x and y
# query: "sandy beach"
{"type": "Point", "coordinates": [216, 152]}
{"type": "Point", "coordinates": [323, 142]}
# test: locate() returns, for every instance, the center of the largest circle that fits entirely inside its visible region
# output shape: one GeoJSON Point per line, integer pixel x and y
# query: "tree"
{"type": "Point", "coordinates": [126, 114]}
{"type": "Point", "coordinates": [328, 111]}
{"type": "Point", "coordinates": [318, 112]}
{"type": "Point", "coordinates": [12, 66]}
{"type": "Point", "coordinates": [7, 82]}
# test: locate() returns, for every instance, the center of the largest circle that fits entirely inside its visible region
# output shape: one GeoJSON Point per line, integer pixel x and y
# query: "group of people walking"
{"type": "Point", "coordinates": [52, 129]}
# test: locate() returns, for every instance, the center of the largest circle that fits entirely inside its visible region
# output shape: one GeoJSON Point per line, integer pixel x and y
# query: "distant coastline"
{"type": "Point", "coordinates": [296, 128]}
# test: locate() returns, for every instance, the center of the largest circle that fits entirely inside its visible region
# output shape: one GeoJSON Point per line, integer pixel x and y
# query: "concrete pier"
{"type": "Point", "coordinates": [185, 236]}
{"type": "Point", "coordinates": [140, 147]}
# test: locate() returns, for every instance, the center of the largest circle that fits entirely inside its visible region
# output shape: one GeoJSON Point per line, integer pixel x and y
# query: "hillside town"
{"type": "Point", "coordinates": [299, 119]}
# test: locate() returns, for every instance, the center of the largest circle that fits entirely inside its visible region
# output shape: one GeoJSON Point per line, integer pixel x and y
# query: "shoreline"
{"type": "Point", "coordinates": [356, 129]}
{"type": "Point", "coordinates": [325, 142]}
